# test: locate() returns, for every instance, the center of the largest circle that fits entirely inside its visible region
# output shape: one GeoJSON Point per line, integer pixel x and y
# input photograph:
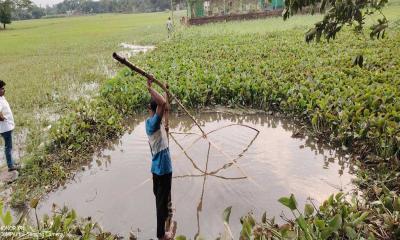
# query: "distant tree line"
{"type": "Point", "coordinates": [18, 9]}
{"type": "Point", "coordinates": [25, 9]}
{"type": "Point", "coordinates": [110, 6]}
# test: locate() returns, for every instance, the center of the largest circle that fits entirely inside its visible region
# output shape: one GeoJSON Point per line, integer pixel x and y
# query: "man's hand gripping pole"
{"type": "Point", "coordinates": [162, 85]}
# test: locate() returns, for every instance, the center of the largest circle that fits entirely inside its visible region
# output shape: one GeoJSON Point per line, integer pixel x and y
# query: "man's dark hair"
{"type": "Point", "coordinates": [2, 83]}
{"type": "Point", "coordinates": [153, 105]}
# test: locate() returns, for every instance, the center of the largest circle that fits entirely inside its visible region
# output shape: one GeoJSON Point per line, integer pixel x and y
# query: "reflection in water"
{"type": "Point", "coordinates": [132, 50]}
{"type": "Point", "coordinates": [232, 161]}
{"type": "Point", "coordinates": [205, 172]}
{"type": "Point", "coordinates": [247, 167]}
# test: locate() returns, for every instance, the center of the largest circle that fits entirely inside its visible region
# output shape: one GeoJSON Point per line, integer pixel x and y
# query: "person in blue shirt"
{"type": "Point", "coordinates": [161, 166]}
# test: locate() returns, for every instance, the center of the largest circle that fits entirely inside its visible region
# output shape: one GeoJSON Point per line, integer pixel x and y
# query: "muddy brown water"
{"type": "Point", "coordinates": [116, 188]}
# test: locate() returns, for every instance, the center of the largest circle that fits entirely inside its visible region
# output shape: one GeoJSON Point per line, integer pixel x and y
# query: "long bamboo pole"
{"type": "Point", "coordinates": [162, 85]}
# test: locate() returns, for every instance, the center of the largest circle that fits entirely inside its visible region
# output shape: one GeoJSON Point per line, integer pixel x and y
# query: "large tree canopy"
{"type": "Point", "coordinates": [5, 12]}
{"type": "Point", "coordinates": [338, 13]}
{"type": "Point", "coordinates": [7, 7]}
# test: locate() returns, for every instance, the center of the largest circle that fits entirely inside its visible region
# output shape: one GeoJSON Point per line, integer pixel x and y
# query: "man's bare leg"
{"type": "Point", "coordinates": [171, 232]}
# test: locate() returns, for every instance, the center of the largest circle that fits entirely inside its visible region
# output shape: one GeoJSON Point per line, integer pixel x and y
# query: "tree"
{"type": "Point", "coordinates": [37, 12]}
{"type": "Point", "coordinates": [8, 6]}
{"type": "Point", "coordinates": [339, 14]}
{"type": "Point", "coordinates": [5, 12]}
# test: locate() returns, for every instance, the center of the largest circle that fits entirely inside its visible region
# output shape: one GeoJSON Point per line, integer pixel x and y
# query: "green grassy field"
{"type": "Point", "coordinates": [45, 62]}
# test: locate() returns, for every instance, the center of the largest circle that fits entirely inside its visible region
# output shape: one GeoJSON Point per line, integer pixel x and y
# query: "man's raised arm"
{"type": "Point", "coordinates": [161, 103]}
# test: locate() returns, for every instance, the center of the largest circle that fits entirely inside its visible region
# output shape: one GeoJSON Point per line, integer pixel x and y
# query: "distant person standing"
{"type": "Point", "coordinates": [170, 27]}
{"type": "Point", "coordinates": [6, 127]}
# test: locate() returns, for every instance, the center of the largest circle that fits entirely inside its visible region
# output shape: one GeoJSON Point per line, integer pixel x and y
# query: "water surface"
{"type": "Point", "coordinates": [251, 170]}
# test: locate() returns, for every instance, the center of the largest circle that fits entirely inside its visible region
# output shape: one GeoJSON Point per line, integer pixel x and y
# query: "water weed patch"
{"type": "Point", "coordinates": [352, 108]}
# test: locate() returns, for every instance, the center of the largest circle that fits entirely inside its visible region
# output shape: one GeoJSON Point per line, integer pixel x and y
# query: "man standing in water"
{"type": "Point", "coordinates": [161, 166]}
{"type": "Point", "coordinates": [6, 127]}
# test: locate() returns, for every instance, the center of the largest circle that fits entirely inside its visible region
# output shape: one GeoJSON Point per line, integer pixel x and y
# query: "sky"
{"type": "Point", "coordinates": [46, 2]}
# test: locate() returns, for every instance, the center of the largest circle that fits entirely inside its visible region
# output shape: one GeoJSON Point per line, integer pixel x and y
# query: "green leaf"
{"type": "Point", "coordinates": [339, 196]}
{"type": "Point", "coordinates": [304, 226]}
{"type": "Point", "coordinates": [110, 121]}
{"type": "Point", "coordinates": [360, 219]}
{"type": "Point", "coordinates": [246, 229]}
{"type": "Point", "coordinates": [251, 220]}
{"type": "Point", "coordinates": [396, 204]}
{"type": "Point", "coordinates": [326, 233]}
{"type": "Point", "coordinates": [308, 210]}
{"type": "Point", "coordinates": [289, 202]}
{"type": "Point", "coordinates": [285, 201]}
{"type": "Point", "coordinates": [1, 208]}
{"type": "Point", "coordinates": [302, 223]}
{"type": "Point", "coordinates": [67, 223]}
{"type": "Point", "coordinates": [7, 219]}
{"type": "Point", "coordinates": [350, 232]}
{"type": "Point", "coordinates": [264, 217]}
{"type": "Point", "coordinates": [87, 229]}
{"type": "Point", "coordinates": [336, 222]}
{"type": "Point", "coordinates": [388, 202]}
{"type": "Point", "coordinates": [314, 120]}
{"type": "Point", "coordinates": [330, 200]}
{"type": "Point", "coordinates": [180, 237]}
{"type": "Point", "coordinates": [226, 214]}
{"type": "Point", "coordinates": [320, 223]}
{"type": "Point", "coordinates": [73, 214]}
{"type": "Point", "coordinates": [56, 223]}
